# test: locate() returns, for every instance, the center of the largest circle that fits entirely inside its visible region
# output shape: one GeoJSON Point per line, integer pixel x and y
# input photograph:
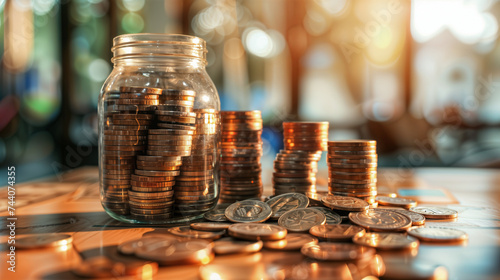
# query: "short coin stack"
{"type": "Point", "coordinates": [194, 187]}
{"type": "Point", "coordinates": [128, 114]}
{"type": "Point", "coordinates": [241, 149]}
{"type": "Point", "coordinates": [296, 166]}
{"type": "Point", "coordinates": [352, 169]}
{"type": "Point", "coordinates": [167, 144]}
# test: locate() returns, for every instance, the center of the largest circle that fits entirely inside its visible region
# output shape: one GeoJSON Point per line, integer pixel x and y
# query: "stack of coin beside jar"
{"type": "Point", "coordinates": [128, 115]}
{"type": "Point", "coordinates": [194, 188]}
{"type": "Point", "coordinates": [241, 149]}
{"type": "Point", "coordinates": [296, 166]}
{"type": "Point", "coordinates": [352, 169]}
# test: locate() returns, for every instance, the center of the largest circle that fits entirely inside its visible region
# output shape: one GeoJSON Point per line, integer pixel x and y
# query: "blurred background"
{"type": "Point", "coordinates": [421, 77]}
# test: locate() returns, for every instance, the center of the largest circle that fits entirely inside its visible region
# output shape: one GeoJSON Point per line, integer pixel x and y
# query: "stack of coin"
{"type": "Point", "coordinates": [352, 169]}
{"type": "Point", "coordinates": [296, 166]}
{"type": "Point", "coordinates": [129, 114]}
{"type": "Point", "coordinates": [194, 187]}
{"type": "Point", "coordinates": [157, 171]}
{"type": "Point", "coordinates": [241, 149]}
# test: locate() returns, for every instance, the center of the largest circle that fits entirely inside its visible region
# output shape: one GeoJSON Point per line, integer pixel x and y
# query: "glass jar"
{"type": "Point", "coordinates": [159, 129]}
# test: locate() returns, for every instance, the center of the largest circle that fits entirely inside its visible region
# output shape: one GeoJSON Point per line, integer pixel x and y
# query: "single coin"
{"type": "Point", "coordinates": [229, 245]}
{"type": "Point", "coordinates": [416, 218]}
{"type": "Point", "coordinates": [437, 234]}
{"type": "Point", "coordinates": [380, 220]}
{"type": "Point", "coordinates": [184, 252]}
{"type": "Point", "coordinates": [187, 231]}
{"type": "Point", "coordinates": [292, 241]}
{"type": "Point", "coordinates": [210, 226]}
{"type": "Point", "coordinates": [345, 203]}
{"type": "Point", "coordinates": [386, 240]}
{"type": "Point", "coordinates": [43, 240]}
{"type": "Point", "coordinates": [340, 232]}
{"type": "Point", "coordinates": [435, 212]}
{"type": "Point", "coordinates": [104, 267]}
{"type": "Point", "coordinates": [302, 219]}
{"type": "Point", "coordinates": [248, 211]}
{"type": "Point", "coordinates": [337, 251]}
{"type": "Point", "coordinates": [396, 201]}
{"type": "Point", "coordinates": [332, 218]}
{"type": "Point", "coordinates": [286, 202]}
{"type": "Point", "coordinates": [144, 90]}
{"type": "Point", "coordinates": [254, 231]}
{"type": "Point", "coordinates": [129, 247]}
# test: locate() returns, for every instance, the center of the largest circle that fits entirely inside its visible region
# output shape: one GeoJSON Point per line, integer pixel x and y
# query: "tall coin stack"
{"type": "Point", "coordinates": [128, 114]}
{"type": "Point", "coordinates": [194, 189]}
{"type": "Point", "coordinates": [241, 149]}
{"type": "Point", "coordinates": [352, 169]}
{"type": "Point", "coordinates": [167, 144]}
{"type": "Point", "coordinates": [296, 166]}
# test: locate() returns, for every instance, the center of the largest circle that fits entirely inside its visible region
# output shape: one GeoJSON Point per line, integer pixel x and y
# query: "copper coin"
{"type": "Point", "coordinates": [253, 231]}
{"type": "Point", "coordinates": [337, 251]}
{"type": "Point", "coordinates": [187, 231]}
{"type": "Point", "coordinates": [283, 203]}
{"type": "Point", "coordinates": [339, 232]}
{"type": "Point", "coordinates": [302, 219]}
{"type": "Point", "coordinates": [396, 201]}
{"type": "Point", "coordinates": [145, 90]}
{"type": "Point", "coordinates": [292, 241]}
{"type": "Point", "coordinates": [431, 212]}
{"type": "Point", "coordinates": [147, 178]}
{"type": "Point", "coordinates": [345, 203]}
{"type": "Point", "coordinates": [171, 131]}
{"type": "Point", "coordinates": [416, 218]}
{"type": "Point", "coordinates": [248, 211]}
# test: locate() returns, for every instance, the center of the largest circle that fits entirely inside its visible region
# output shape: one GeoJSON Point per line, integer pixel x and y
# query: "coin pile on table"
{"type": "Point", "coordinates": [241, 150]}
{"type": "Point", "coordinates": [296, 166]}
{"type": "Point", "coordinates": [194, 188]}
{"type": "Point", "coordinates": [352, 169]}
{"type": "Point", "coordinates": [128, 114]}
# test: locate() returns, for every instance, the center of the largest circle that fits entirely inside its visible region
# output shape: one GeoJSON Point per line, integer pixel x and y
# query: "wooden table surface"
{"type": "Point", "coordinates": [70, 204]}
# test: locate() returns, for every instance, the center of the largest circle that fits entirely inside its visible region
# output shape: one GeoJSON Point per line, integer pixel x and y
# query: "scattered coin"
{"type": "Point", "coordinates": [302, 219]}
{"type": "Point", "coordinates": [345, 203]}
{"type": "Point", "coordinates": [129, 247]}
{"type": "Point", "coordinates": [216, 215]}
{"type": "Point", "coordinates": [342, 232]}
{"type": "Point", "coordinates": [248, 211]}
{"type": "Point", "coordinates": [253, 231]}
{"type": "Point", "coordinates": [337, 251]}
{"type": "Point", "coordinates": [183, 252]}
{"type": "Point", "coordinates": [416, 218]}
{"type": "Point", "coordinates": [210, 226]}
{"type": "Point", "coordinates": [332, 218]}
{"type": "Point", "coordinates": [380, 220]}
{"type": "Point", "coordinates": [292, 241]}
{"type": "Point", "coordinates": [285, 202]}
{"type": "Point", "coordinates": [44, 240]}
{"type": "Point", "coordinates": [437, 234]}
{"type": "Point", "coordinates": [229, 245]}
{"type": "Point", "coordinates": [187, 231]}
{"type": "Point", "coordinates": [104, 267]}
{"type": "Point", "coordinates": [435, 212]}
{"type": "Point", "coordinates": [396, 201]}
{"type": "Point", "coordinates": [386, 240]}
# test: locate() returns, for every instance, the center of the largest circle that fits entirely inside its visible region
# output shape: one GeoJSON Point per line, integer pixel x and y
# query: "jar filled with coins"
{"type": "Point", "coordinates": [159, 129]}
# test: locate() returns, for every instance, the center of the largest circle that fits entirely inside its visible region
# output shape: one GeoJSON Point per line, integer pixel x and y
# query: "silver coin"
{"type": "Point", "coordinates": [416, 218]}
{"type": "Point", "coordinates": [332, 218]}
{"type": "Point", "coordinates": [435, 212]}
{"type": "Point", "coordinates": [44, 240]}
{"type": "Point", "coordinates": [437, 234]}
{"type": "Point", "coordinates": [184, 252]}
{"type": "Point", "coordinates": [302, 219]}
{"type": "Point", "coordinates": [285, 202]}
{"type": "Point", "coordinates": [229, 245]}
{"type": "Point", "coordinates": [210, 226]}
{"type": "Point", "coordinates": [248, 211]}
{"type": "Point", "coordinates": [187, 231]}
{"type": "Point", "coordinates": [292, 241]}
{"type": "Point", "coordinates": [129, 247]}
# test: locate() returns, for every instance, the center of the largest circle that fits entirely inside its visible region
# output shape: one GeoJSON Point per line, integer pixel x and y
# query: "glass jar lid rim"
{"type": "Point", "coordinates": [157, 38]}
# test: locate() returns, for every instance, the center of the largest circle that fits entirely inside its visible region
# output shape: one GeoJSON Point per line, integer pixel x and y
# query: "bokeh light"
{"type": "Point", "coordinates": [132, 23]}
